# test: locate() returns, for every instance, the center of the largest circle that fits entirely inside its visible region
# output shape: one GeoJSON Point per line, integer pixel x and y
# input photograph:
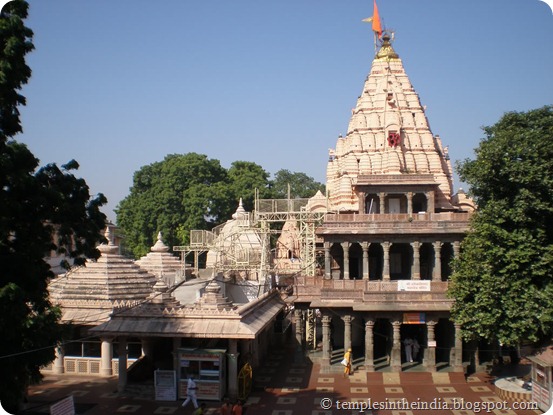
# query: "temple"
{"type": "Point", "coordinates": [391, 231]}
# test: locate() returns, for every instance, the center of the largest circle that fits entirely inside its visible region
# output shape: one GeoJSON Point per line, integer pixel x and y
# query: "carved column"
{"type": "Point", "coordinates": [347, 331]}
{"type": "Point", "coordinates": [328, 274]}
{"type": "Point", "coordinates": [369, 345]}
{"type": "Point", "coordinates": [458, 359]}
{"type": "Point", "coordinates": [437, 274]}
{"type": "Point", "coordinates": [326, 339]}
{"type": "Point", "coordinates": [345, 247]}
{"type": "Point", "coordinates": [409, 203]}
{"type": "Point", "coordinates": [361, 196]}
{"type": "Point", "coordinates": [416, 271]}
{"type": "Point", "coordinates": [59, 364]}
{"type": "Point", "coordinates": [396, 347]}
{"type": "Point", "coordinates": [365, 246]}
{"type": "Point", "coordinates": [122, 352]}
{"type": "Point", "coordinates": [456, 249]}
{"type": "Point", "coordinates": [431, 350]}
{"type": "Point", "coordinates": [233, 369]}
{"type": "Point", "coordinates": [430, 201]}
{"type": "Point", "coordinates": [298, 323]}
{"type": "Point", "coordinates": [106, 356]}
{"type": "Point", "coordinates": [382, 197]}
{"type": "Point", "coordinates": [386, 266]}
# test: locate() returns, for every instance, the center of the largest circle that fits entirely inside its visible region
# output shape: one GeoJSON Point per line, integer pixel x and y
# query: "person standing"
{"type": "Point", "coordinates": [416, 348]}
{"type": "Point", "coordinates": [191, 388]}
{"type": "Point", "coordinates": [408, 343]}
{"type": "Point", "coordinates": [347, 363]}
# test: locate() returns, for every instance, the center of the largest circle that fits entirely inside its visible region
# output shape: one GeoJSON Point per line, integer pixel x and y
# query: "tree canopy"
{"type": "Point", "coordinates": [503, 280]}
{"type": "Point", "coordinates": [301, 185]}
{"type": "Point", "coordinates": [190, 191]}
{"type": "Point", "coordinates": [42, 211]}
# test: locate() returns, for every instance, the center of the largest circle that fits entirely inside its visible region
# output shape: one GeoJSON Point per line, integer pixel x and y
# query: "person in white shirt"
{"type": "Point", "coordinates": [191, 388]}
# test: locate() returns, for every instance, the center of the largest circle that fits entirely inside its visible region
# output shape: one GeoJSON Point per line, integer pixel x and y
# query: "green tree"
{"type": "Point", "coordinates": [41, 211]}
{"type": "Point", "coordinates": [180, 193]}
{"type": "Point", "coordinates": [301, 185]}
{"type": "Point", "coordinates": [503, 281]}
{"type": "Point", "coordinates": [245, 177]}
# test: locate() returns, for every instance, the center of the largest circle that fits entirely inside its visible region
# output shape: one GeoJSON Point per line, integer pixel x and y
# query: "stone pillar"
{"type": "Point", "coordinates": [430, 201]}
{"type": "Point", "coordinates": [122, 352]}
{"type": "Point", "coordinates": [345, 247]}
{"type": "Point", "coordinates": [361, 196]}
{"type": "Point", "coordinates": [298, 323]}
{"type": "Point", "coordinates": [437, 274]}
{"type": "Point", "coordinates": [59, 364]}
{"type": "Point", "coordinates": [326, 340]}
{"type": "Point", "coordinates": [365, 246]}
{"type": "Point", "coordinates": [395, 360]}
{"type": "Point", "coordinates": [382, 197]}
{"type": "Point", "coordinates": [347, 331]}
{"type": "Point", "coordinates": [369, 345]}
{"type": "Point", "coordinates": [458, 358]}
{"type": "Point", "coordinates": [416, 270]}
{"type": "Point", "coordinates": [409, 203]}
{"type": "Point", "coordinates": [106, 356]}
{"type": "Point", "coordinates": [386, 266]}
{"type": "Point", "coordinates": [456, 249]}
{"type": "Point", "coordinates": [431, 350]}
{"type": "Point", "coordinates": [232, 362]}
{"type": "Point", "coordinates": [328, 274]}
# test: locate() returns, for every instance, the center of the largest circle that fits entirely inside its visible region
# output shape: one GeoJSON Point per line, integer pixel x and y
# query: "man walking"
{"type": "Point", "coordinates": [191, 388]}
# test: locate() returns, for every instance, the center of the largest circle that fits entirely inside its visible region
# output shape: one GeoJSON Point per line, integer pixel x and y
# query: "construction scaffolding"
{"type": "Point", "coordinates": [244, 245]}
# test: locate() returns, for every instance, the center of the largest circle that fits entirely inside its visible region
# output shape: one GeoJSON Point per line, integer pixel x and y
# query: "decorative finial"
{"type": "Point", "coordinates": [386, 51]}
{"type": "Point", "coordinates": [159, 245]}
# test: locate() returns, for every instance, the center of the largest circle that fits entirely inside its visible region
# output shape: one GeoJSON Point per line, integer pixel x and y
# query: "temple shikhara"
{"type": "Point", "coordinates": [365, 266]}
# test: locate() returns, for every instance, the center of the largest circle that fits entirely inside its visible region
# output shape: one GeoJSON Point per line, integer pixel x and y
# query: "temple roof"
{"type": "Point", "coordinates": [159, 261]}
{"type": "Point", "coordinates": [88, 294]}
{"type": "Point", "coordinates": [388, 135]}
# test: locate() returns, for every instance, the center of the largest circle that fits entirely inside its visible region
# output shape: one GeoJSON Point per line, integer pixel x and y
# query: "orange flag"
{"type": "Point", "coordinates": [376, 21]}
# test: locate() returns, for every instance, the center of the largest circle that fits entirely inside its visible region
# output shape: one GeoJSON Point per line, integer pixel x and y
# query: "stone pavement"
{"type": "Point", "coordinates": [285, 388]}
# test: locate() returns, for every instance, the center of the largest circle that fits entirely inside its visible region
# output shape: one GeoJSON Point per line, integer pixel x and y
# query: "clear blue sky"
{"type": "Point", "coordinates": [120, 84]}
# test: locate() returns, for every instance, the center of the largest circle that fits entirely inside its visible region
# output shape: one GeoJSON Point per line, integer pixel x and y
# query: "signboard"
{"type": "Point", "coordinates": [166, 385]}
{"type": "Point", "coordinates": [413, 285]}
{"type": "Point", "coordinates": [431, 343]}
{"type": "Point", "coordinates": [414, 318]}
{"type": "Point", "coordinates": [64, 407]}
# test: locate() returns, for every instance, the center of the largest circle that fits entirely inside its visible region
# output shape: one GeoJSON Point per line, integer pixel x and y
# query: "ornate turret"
{"type": "Point", "coordinates": [388, 139]}
{"type": "Point", "coordinates": [160, 262]}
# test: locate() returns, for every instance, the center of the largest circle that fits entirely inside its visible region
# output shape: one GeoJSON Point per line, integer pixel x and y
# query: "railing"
{"type": "Point", "coordinates": [338, 218]}
{"type": "Point", "coordinates": [85, 365]}
{"type": "Point", "coordinates": [362, 285]}
{"type": "Point", "coordinates": [280, 205]}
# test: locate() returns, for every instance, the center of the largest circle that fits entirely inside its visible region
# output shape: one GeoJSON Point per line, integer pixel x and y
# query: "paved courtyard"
{"type": "Point", "coordinates": [285, 388]}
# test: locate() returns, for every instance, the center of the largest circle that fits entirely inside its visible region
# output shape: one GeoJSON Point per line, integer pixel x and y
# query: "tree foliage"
{"type": "Point", "coordinates": [184, 192]}
{"type": "Point", "coordinates": [41, 211]}
{"type": "Point", "coordinates": [503, 281]}
{"type": "Point", "coordinates": [190, 191]}
{"type": "Point", "coordinates": [301, 185]}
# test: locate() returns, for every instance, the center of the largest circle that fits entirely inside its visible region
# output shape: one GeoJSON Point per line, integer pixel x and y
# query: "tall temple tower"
{"type": "Point", "coordinates": [392, 230]}
{"type": "Point", "coordinates": [388, 141]}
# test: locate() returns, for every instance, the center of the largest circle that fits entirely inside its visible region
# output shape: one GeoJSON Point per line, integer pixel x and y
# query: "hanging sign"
{"type": "Point", "coordinates": [414, 318]}
{"type": "Point", "coordinates": [413, 285]}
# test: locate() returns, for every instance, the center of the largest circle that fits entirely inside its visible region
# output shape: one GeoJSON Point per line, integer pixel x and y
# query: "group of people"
{"type": "Point", "coordinates": [412, 348]}
{"type": "Point", "coordinates": [226, 409]}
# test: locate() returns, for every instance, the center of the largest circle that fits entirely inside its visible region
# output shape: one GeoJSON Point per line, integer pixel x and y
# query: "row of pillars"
{"type": "Point", "coordinates": [395, 358]}
{"type": "Point", "coordinates": [430, 200]}
{"type": "Point", "coordinates": [147, 349]}
{"type": "Point", "coordinates": [415, 273]}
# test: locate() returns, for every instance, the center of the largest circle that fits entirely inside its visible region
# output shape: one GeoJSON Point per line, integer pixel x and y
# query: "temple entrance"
{"type": "Point", "coordinates": [445, 343]}
{"type": "Point", "coordinates": [413, 338]}
{"type": "Point", "coordinates": [382, 335]}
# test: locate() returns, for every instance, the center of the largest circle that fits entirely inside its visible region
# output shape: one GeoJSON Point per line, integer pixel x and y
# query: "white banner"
{"type": "Point", "coordinates": [413, 285]}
